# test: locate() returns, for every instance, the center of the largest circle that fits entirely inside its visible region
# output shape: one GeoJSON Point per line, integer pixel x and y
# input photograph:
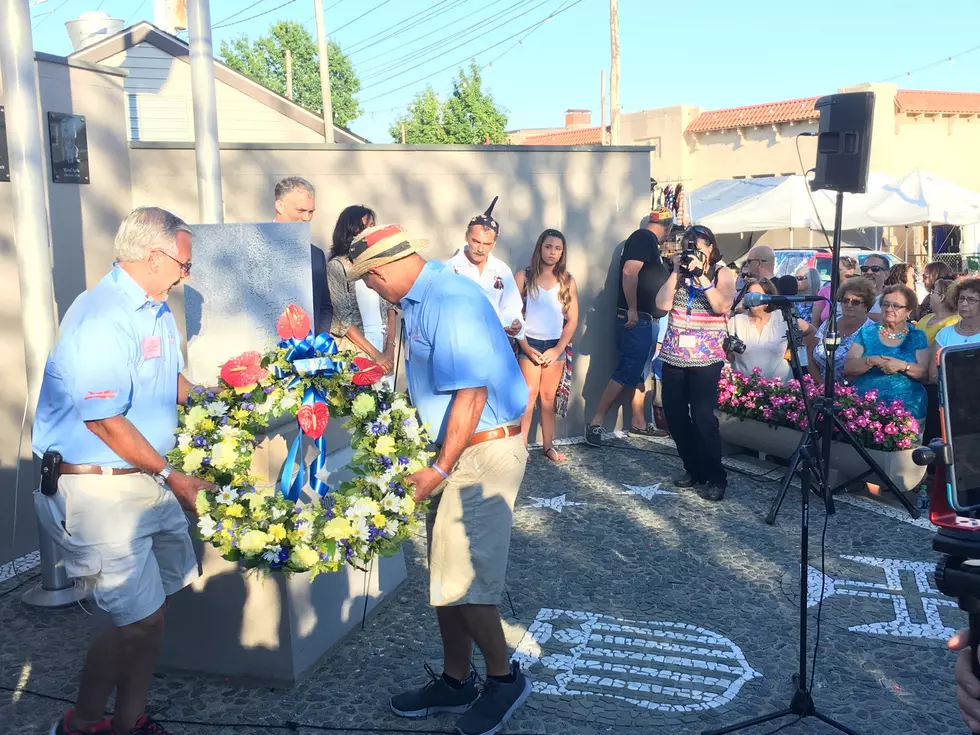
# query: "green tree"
{"type": "Point", "coordinates": [422, 121]}
{"type": "Point", "coordinates": [264, 60]}
{"type": "Point", "coordinates": [469, 117]}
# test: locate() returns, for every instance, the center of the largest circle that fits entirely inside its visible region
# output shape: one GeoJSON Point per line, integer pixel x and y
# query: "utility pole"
{"type": "Point", "coordinates": [321, 38]}
{"type": "Point", "coordinates": [403, 133]}
{"type": "Point", "coordinates": [614, 72]}
{"type": "Point", "coordinates": [602, 105]}
{"type": "Point", "coordinates": [289, 74]}
{"type": "Point", "coordinates": [207, 153]}
{"type": "Point", "coordinates": [32, 243]}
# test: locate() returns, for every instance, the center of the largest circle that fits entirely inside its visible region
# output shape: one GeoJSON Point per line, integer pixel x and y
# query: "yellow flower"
{"type": "Point", "coordinates": [303, 556]}
{"type": "Point", "coordinates": [241, 415]}
{"type": "Point", "coordinates": [222, 538]}
{"type": "Point", "coordinates": [194, 416]}
{"type": "Point", "coordinates": [408, 505]}
{"type": "Point", "coordinates": [224, 455]}
{"type": "Point", "coordinates": [379, 520]}
{"type": "Point", "coordinates": [234, 510]}
{"type": "Point", "coordinates": [206, 425]}
{"type": "Point", "coordinates": [385, 445]}
{"type": "Point", "coordinates": [193, 459]}
{"type": "Point", "coordinates": [254, 500]}
{"type": "Point", "coordinates": [277, 531]}
{"type": "Point", "coordinates": [254, 541]}
{"type": "Point", "coordinates": [363, 405]}
{"type": "Point", "coordinates": [201, 502]}
{"type": "Point", "coordinates": [337, 528]}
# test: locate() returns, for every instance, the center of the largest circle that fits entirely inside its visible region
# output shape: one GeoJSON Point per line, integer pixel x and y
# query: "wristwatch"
{"type": "Point", "coordinates": [163, 475]}
{"type": "Point", "coordinates": [908, 366]}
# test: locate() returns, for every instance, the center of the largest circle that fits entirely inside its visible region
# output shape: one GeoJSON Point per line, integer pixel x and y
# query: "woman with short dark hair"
{"type": "Point", "coordinates": [892, 357]}
{"type": "Point", "coordinates": [699, 296]}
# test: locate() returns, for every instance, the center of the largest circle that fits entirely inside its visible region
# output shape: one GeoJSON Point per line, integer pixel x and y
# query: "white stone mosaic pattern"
{"type": "Point", "coordinates": [556, 503]}
{"type": "Point", "coordinates": [646, 491]}
{"type": "Point", "coordinates": [18, 566]}
{"type": "Point", "coordinates": [654, 665]}
{"type": "Point", "coordinates": [899, 514]}
{"type": "Point", "coordinates": [928, 597]}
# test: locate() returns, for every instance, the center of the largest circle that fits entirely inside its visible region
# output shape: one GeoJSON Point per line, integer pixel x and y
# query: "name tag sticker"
{"type": "Point", "coordinates": [151, 348]}
{"type": "Point", "coordinates": [686, 341]}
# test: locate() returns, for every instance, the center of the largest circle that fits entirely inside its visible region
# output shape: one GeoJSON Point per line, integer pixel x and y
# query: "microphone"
{"type": "Point", "coordinates": [764, 299]}
{"type": "Point", "coordinates": [786, 286]}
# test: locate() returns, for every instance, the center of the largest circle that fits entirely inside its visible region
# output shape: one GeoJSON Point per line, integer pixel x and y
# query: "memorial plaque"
{"type": "Point", "coordinates": [69, 148]}
{"type": "Point", "coordinates": [244, 276]}
{"type": "Point", "coordinates": [4, 156]}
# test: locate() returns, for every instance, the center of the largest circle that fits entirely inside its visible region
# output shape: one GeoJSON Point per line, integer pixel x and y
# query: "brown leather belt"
{"type": "Point", "coordinates": [501, 432]}
{"type": "Point", "coordinates": [94, 469]}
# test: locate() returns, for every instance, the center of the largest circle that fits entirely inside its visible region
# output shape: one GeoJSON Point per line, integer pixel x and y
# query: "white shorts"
{"type": "Point", "coordinates": [125, 536]}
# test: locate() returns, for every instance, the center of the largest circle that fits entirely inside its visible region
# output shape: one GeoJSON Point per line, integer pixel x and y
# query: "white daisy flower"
{"type": "Point", "coordinates": [391, 503]}
{"type": "Point", "coordinates": [399, 404]}
{"type": "Point", "coordinates": [360, 530]}
{"type": "Point", "coordinates": [391, 527]}
{"type": "Point", "coordinates": [184, 441]}
{"type": "Point", "coordinates": [277, 512]}
{"type": "Point", "coordinates": [216, 409]}
{"type": "Point", "coordinates": [227, 495]}
{"type": "Point", "coordinates": [206, 526]}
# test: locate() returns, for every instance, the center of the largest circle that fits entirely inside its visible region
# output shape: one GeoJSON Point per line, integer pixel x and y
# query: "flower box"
{"type": "Point", "coordinates": [274, 628]}
{"type": "Point", "coordinates": [845, 463]}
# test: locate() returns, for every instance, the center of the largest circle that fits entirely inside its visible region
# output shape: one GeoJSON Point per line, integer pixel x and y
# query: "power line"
{"type": "Point", "coordinates": [136, 13]}
{"type": "Point", "coordinates": [253, 17]}
{"type": "Point", "coordinates": [411, 55]}
{"type": "Point", "coordinates": [499, 43]}
{"type": "Point", "coordinates": [235, 15]}
{"type": "Point", "coordinates": [365, 13]}
{"type": "Point", "coordinates": [448, 51]}
{"type": "Point", "coordinates": [325, 11]}
{"type": "Point", "coordinates": [49, 14]}
{"type": "Point", "coordinates": [944, 60]}
{"type": "Point", "coordinates": [431, 12]}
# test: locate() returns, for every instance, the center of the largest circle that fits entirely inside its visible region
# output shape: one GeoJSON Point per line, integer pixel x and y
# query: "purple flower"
{"type": "Point", "coordinates": [376, 428]}
{"type": "Point", "coordinates": [248, 406]}
{"type": "Point", "coordinates": [198, 389]}
{"type": "Point", "coordinates": [210, 395]}
{"type": "Point", "coordinates": [206, 461]}
{"type": "Point", "coordinates": [891, 429]}
{"type": "Point", "coordinates": [879, 437]}
{"type": "Point", "coordinates": [199, 441]}
{"type": "Point", "coordinates": [403, 461]}
{"type": "Point", "coordinates": [385, 462]}
{"type": "Point", "coordinates": [904, 443]}
{"type": "Point", "coordinates": [283, 555]}
{"type": "Point", "coordinates": [224, 420]}
{"type": "Point", "coordinates": [268, 389]}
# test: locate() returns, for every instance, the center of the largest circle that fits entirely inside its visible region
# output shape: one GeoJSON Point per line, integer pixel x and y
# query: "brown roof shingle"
{"type": "Point", "coordinates": [767, 114]}
{"type": "Point", "coordinates": [932, 101]}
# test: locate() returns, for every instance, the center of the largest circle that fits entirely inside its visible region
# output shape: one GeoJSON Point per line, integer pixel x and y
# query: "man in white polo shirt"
{"type": "Point", "coordinates": [494, 276]}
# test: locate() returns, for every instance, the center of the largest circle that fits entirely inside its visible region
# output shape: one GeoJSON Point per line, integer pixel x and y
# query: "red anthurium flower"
{"type": "Point", "coordinates": [244, 371]}
{"type": "Point", "coordinates": [313, 419]}
{"type": "Point", "coordinates": [368, 372]}
{"type": "Point", "coordinates": [293, 323]}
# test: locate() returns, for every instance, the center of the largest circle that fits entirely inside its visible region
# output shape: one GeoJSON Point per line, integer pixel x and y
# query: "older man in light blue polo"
{"type": "Point", "coordinates": [465, 382]}
{"type": "Point", "coordinates": [108, 409]}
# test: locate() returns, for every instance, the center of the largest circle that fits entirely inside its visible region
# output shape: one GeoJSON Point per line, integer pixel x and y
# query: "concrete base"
{"type": "Point", "coordinates": [268, 627]}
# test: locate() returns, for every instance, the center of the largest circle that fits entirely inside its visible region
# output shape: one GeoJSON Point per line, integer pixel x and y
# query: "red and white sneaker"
{"type": "Point", "coordinates": [147, 726]}
{"type": "Point", "coordinates": [99, 728]}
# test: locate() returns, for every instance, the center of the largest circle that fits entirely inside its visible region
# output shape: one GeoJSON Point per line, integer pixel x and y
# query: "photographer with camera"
{"type": "Point", "coordinates": [699, 296]}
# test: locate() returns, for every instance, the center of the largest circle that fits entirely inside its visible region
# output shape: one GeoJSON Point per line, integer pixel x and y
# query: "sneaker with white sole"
{"type": "Point", "coordinates": [496, 705]}
{"type": "Point", "coordinates": [99, 728]}
{"type": "Point", "coordinates": [435, 697]}
{"type": "Point", "coordinates": [593, 435]}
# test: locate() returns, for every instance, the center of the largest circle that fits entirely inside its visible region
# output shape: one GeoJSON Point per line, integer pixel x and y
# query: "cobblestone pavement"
{"type": "Point", "coordinates": [635, 607]}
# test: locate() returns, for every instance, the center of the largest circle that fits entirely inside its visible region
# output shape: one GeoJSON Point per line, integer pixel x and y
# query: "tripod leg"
{"type": "Point", "coordinates": [750, 723]}
{"type": "Point", "coordinates": [886, 480]}
{"type": "Point", "coordinates": [794, 462]}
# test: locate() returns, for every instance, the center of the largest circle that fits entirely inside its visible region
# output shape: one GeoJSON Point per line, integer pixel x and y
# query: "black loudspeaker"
{"type": "Point", "coordinates": [844, 142]}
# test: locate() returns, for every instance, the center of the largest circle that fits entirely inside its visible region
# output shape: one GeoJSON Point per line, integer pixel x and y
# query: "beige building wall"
{"type": "Point", "coordinates": [160, 105]}
{"type": "Point", "coordinates": [83, 219]}
{"type": "Point", "coordinates": [663, 129]}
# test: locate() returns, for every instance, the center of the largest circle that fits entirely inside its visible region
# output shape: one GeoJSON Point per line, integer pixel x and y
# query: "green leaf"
{"type": "Point", "coordinates": [233, 555]}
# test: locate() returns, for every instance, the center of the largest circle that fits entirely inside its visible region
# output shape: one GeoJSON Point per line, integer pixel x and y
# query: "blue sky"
{"type": "Point", "coordinates": [710, 53]}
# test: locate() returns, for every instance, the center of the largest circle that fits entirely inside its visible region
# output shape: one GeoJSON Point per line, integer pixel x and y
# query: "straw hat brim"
{"type": "Point", "coordinates": [359, 269]}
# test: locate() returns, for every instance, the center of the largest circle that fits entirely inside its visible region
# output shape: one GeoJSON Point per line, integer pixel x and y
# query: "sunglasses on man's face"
{"type": "Point", "coordinates": [873, 268]}
{"type": "Point", "coordinates": [750, 261]}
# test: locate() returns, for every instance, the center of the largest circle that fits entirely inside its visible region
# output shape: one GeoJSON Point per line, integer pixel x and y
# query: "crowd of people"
{"type": "Point", "coordinates": [481, 349]}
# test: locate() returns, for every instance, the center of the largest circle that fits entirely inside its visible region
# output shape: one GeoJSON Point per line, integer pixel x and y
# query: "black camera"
{"type": "Point", "coordinates": [733, 345]}
{"type": "Point", "coordinates": [687, 257]}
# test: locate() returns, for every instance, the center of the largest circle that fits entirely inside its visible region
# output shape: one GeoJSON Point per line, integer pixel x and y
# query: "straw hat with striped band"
{"type": "Point", "coordinates": [377, 246]}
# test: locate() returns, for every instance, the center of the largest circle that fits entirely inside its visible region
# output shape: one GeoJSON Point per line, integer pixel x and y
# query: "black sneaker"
{"type": "Point", "coordinates": [684, 481]}
{"type": "Point", "coordinates": [593, 435]}
{"type": "Point", "coordinates": [496, 704]}
{"type": "Point", "coordinates": [147, 726]}
{"type": "Point", "coordinates": [712, 491]}
{"type": "Point", "coordinates": [435, 697]}
{"type": "Point", "coordinates": [650, 430]}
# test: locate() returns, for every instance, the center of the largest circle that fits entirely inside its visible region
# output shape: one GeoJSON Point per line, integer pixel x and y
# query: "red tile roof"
{"type": "Point", "coordinates": [768, 114]}
{"type": "Point", "coordinates": [582, 136]}
{"type": "Point", "coordinates": [931, 101]}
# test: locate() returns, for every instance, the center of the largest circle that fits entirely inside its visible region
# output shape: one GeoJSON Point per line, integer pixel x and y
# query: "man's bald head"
{"type": "Point", "coordinates": [761, 262]}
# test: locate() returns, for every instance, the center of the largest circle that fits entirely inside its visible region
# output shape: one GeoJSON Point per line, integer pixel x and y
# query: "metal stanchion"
{"type": "Point", "coordinates": [32, 244]}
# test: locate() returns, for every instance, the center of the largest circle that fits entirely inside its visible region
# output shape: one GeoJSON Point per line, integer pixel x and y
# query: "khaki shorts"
{"type": "Point", "coordinates": [469, 524]}
{"type": "Point", "coordinates": [124, 536]}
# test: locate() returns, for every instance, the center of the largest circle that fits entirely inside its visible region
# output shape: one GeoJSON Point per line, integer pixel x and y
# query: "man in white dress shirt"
{"type": "Point", "coordinates": [493, 275]}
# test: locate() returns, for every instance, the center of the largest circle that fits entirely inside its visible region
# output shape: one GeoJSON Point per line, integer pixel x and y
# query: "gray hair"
{"type": "Point", "coordinates": [291, 183]}
{"type": "Point", "coordinates": [147, 229]}
{"type": "Point", "coordinates": [813, 280]}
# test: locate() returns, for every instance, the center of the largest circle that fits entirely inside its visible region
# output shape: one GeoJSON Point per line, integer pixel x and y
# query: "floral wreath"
{"type": "Point", "coordinates": [268, 527]}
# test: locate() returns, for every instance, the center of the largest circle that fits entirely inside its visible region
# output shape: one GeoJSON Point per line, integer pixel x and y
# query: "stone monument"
{"type": "Point", "coordinates": [261, 626]}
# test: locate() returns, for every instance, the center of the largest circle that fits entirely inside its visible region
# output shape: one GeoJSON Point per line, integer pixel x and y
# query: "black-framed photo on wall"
{"type": "Point", "coordinates": [4, 155]}
{"type": "Point", "coordinates": [69, 148]}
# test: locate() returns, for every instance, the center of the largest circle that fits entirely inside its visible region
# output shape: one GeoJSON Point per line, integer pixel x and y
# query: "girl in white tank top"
{"type": "Point", "coordinates": [550, 318]}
